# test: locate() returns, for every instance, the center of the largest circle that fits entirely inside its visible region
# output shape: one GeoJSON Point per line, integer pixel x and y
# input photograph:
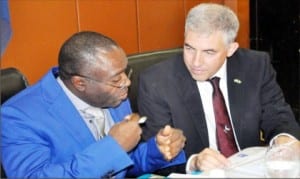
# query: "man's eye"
{"type": "Point", "coordinates": [116, 80]}
{"type": "Point", "coordinates": [210, 52]}
{"type": "Point", "coordinates": [187, 47]}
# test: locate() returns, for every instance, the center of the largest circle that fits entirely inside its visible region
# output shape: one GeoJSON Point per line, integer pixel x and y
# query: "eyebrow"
{"type": "Point", "coordinates": [209, 50]}
{"type": "Point", "coordinates": [188, 45]}
{"type": "Point", "coordinates": [118, 73]}
{"type": "Point", "coordinates": [205, 50]}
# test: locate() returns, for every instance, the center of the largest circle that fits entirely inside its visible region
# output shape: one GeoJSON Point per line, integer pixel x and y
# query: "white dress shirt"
{"type": "Point", "coordinates": [205, 88]}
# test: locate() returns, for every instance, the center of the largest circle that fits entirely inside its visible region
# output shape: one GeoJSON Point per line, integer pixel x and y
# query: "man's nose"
{"type": "Point", "coordinates": [198, 59]}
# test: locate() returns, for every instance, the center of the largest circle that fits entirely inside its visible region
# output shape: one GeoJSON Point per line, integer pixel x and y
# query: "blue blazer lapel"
{"type": "Point", "coordinates": [64, 112]}
{"type": "Point", "coordinates": [71, 119]}
{"type": "Point", "coordinates": [118, 113]}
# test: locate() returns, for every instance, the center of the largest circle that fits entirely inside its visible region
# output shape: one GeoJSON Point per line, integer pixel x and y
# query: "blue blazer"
{"type": "Point", "coordinates": [44, 136]}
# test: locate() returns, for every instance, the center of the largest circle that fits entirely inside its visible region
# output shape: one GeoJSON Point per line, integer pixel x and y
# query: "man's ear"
{"type": "Point", "coordinates": [78, 82]}
{"type": "Point", "coordinates": [232, 48]}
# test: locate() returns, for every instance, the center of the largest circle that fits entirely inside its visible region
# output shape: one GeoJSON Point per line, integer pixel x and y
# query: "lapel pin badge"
{"type": "Point", "coordinates": [238, 81]}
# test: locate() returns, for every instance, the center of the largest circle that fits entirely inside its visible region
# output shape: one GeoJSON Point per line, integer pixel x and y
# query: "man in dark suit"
{"type": "Point", "coordinates": [177, 91]}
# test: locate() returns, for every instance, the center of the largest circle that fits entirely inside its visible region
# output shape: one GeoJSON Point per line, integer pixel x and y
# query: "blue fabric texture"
{"type": "Point", "coordinates": [5, 30]}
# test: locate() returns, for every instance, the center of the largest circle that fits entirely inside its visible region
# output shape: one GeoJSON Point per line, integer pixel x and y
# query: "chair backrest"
{"type": "Point", "coordinates": [139, 62]}
{"type": "Point", "coordinates": [12, 82]}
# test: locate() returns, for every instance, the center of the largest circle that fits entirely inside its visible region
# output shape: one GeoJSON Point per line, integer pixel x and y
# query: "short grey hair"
{"type": "Point", "coordinates": [208, 18]}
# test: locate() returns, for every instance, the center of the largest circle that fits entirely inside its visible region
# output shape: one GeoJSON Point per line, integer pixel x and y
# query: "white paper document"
{"type": "Point", "coordinates": [247, 163]}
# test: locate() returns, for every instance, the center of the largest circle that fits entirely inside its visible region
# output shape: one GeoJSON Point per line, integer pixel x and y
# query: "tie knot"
{"type": "Point", "coordinates": [92, 112]}
{"type": "Point", "coordinates": [96, 119]}
{"type": "Point", "coordinates": [215, 82]}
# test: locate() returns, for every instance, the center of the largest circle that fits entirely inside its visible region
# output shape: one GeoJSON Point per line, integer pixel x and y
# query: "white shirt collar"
{"type": "Point", "coordinates": [77, 102]}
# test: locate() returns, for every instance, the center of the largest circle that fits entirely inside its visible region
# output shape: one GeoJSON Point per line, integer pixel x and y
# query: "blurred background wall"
{"type": "Point", "coordinates": [275, 28]}
{"type": "Point", "coordinates": [39, 27]}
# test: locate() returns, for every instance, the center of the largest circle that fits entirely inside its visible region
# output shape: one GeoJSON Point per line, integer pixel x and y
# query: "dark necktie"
{"type": "Point", "coordinates": [225, 138]}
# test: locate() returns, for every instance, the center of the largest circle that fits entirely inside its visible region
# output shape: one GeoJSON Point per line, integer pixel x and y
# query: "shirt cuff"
{"type": "Point", "coordinates": [281, 134]}
{"type": "Point", "coordinates": [188, 164]}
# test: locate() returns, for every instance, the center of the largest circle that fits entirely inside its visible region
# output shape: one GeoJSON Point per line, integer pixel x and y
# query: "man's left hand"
{"type": "Point", "coordinates": [170, 141]}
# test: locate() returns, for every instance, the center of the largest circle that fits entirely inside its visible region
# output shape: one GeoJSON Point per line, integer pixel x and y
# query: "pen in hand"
{"type": "Point", "coordinates": [136, 117]}
{"type": "Point", "coordinates": [142, 120]}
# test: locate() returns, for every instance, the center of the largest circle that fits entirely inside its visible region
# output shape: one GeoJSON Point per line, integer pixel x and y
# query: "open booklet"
{"type": "Point", "coordinates": [247, 163]}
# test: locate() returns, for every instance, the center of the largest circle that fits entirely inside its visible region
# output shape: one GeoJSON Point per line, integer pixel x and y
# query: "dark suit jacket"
{"type": "Point", "coordinates": [169, 95]}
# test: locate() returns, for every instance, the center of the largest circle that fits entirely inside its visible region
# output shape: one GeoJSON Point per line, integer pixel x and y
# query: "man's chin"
{"type": "Point", "coordinates": [200, 78]}
{"type": "Point", "coordinates": [117, 103]}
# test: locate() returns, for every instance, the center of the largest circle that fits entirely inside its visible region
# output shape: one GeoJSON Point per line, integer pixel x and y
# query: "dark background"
{"type": "Point", "coordinates": [274, 27]}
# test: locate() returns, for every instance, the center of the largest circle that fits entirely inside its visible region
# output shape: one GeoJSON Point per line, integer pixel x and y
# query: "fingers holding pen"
{"type": "Point", "coordinates": [136, 117]}
{"type": "Point", "coordinates": [132, 117]}
{"type": "Point", "coordinates": [127, 132]}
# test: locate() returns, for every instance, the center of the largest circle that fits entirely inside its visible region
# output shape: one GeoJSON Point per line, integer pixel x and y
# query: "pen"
{"type": "Point", "coordinates": [142, 120]}
{"type": "Point", "coordinates": [129, 73]}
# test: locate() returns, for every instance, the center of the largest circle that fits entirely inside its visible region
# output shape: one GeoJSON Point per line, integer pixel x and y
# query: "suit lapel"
{"type": "Point", "coordinates": [236, 91]}
{"type": "Point", "coordinates": [64, 112]}
{"type": "Point", "coordinates": [71, 120]}
{"type": "Point", "coordinates": [188, 91]}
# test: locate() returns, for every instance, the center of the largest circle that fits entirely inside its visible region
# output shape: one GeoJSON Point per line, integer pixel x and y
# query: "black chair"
{"type": "Point", "coordinates": [12, 82]}
{"type": "Point", "coordinates": [138, 62]}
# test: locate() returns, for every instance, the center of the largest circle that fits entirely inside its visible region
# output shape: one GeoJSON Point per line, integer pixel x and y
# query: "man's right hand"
{"type": "Point", "coordinates": [127, 132]}
{"type": "Point", "coordinates": [208, 159]}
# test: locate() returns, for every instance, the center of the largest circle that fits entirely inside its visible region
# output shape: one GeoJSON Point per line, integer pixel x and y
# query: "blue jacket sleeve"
{"type": "Point", "coordinates": [28, 153]}
{"type": "Point", "coordinates": [147, 158]}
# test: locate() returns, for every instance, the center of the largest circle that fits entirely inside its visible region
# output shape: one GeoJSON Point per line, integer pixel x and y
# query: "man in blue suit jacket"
{"type": "Point", "coordinates": [46, 134]}
{"type": "Point", "coordinates": [177, 91]}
